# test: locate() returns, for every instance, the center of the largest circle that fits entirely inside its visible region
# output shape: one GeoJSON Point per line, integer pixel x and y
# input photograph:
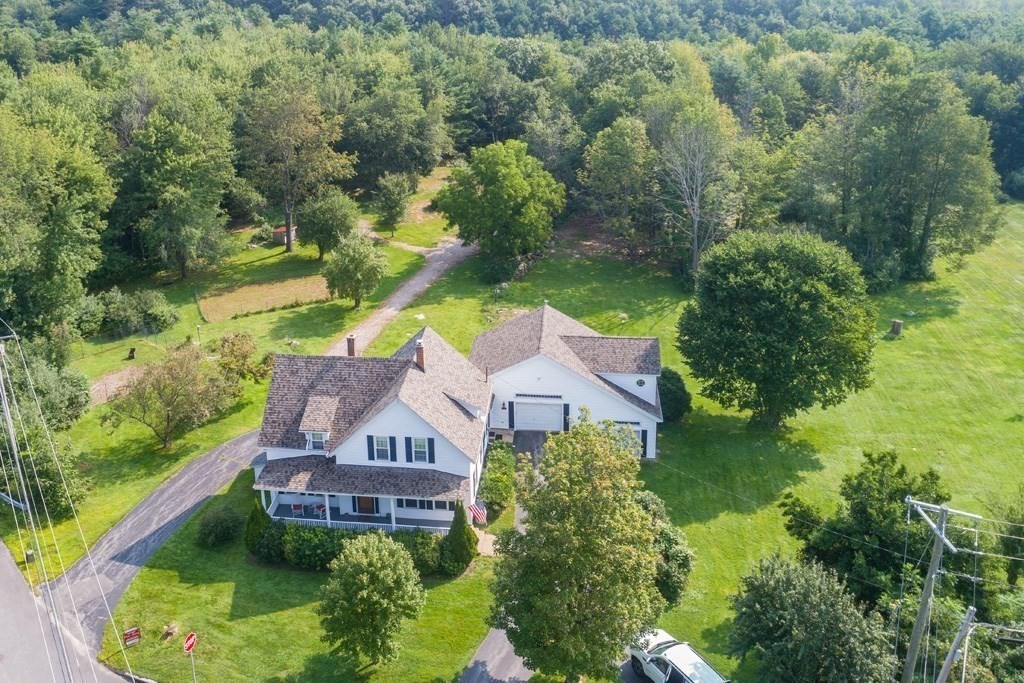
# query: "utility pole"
{"type": "Point", "coordinates": [954, 650]}
{"type": "Point", "coordinates": [926, 594]}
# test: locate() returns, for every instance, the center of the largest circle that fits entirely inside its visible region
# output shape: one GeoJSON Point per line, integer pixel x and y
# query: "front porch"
{"type": "Point", "coordinates": [314, 510]}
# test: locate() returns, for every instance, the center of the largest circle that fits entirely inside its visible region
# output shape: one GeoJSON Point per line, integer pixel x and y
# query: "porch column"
{"type": "Point", "coordinates": [327, 502]}
{"type": "Point", "coordinates": [392, 504]}
{"type": "Point", "coordinates": [266, 499]}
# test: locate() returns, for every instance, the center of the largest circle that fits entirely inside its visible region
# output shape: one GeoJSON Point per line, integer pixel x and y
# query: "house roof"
{"type": "Point", "coordinates": [548, 332]}
{"type": "Point", "coordinates": [340, 394]}
{"type": "Point", "coordinates": [320, 474]}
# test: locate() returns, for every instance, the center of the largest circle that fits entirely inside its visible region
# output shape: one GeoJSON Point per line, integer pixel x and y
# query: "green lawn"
{"type": "Point", "coordinates": [125, 465]}
{"type": "Point", "coordinates": [252, 277]}
{"type": "Point", "coordinates": [257, 623]}
{"type": "Point", "coordinates": [948, 393]}
{"type": "Point", "coordinates": [425, 233]}
{"type": "Point", "coordinates": [422, 227]}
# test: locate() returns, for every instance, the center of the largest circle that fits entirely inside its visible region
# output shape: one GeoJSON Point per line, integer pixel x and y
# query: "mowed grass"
{"type": "Point", "coordinates": [257, 623]}
{"type": "Point", "coordinates": [422, 227]}
{"type": "Point", "coordinates": [251, 280]}
{"type": "Point", "coordinates": [949, 394]}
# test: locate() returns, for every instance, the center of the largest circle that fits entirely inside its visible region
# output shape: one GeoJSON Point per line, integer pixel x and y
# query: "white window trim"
{"type": "Point", "coordinates": [377, 448]}
{"type": "Point", "coordinates": [420, 454]}
{"type": "Point", "coordinates": [310, 446]}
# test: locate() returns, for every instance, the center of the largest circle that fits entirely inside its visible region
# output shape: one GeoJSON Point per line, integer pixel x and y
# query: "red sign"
{"type": "Point", "coordinates": [190, 641]}
{"type": "Point", "coordinates": [132, 635]}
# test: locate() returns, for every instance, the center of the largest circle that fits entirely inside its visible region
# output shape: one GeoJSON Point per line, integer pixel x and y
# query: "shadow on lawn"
{"type": "Point", "coordinates": [917, 302]}
{"type": "Point", "coordinates": [332, 666]}
{"type": "Point", "coordinates": [714, 464]}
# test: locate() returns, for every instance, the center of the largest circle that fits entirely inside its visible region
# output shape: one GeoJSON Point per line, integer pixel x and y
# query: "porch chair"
{"type": "Point", "coordinates": [320, 511]}
{"type": "Point", "coordinates": [298, 510]}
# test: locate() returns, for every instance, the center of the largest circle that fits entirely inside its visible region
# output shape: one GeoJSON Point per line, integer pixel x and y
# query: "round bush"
{"type": "Point", "coordinates": [675, 399]}
{"type": "Point", "coordinates": [424, 547]}
{"type": "Point", "coordinates": [218, 527]}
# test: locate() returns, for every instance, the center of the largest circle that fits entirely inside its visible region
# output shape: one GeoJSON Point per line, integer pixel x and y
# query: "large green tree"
{"type": "Point", "coordinates": [504, 201]}
{"type": "Point", "coordinates": [582, 517]}
{"type": "Point", "coordinates": [802, 625]}
{"type": "Point", "coordinates": [355, 269]}
{"type": "Point", "coordinates": [391, 200]}
{"type": "Point", "coordinates": [373, 589]}
{"type": "Point", "coordinates": [779, 323]}
{"type": "Point", "coordinates": [288, 147]}
{"type": "Point", "coordinates": [327, 218]}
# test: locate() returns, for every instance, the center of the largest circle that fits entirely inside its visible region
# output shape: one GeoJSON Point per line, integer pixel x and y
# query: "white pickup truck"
{"type": "Point", "coordinates": [663, 659]}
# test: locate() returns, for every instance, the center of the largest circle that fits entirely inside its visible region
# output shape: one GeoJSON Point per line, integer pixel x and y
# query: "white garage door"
{"type": "Point", "coordinates": [545, 417]}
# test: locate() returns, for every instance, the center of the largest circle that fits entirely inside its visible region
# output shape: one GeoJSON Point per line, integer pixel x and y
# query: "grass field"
{"type": "Point", "coordinates": [949, 393]}
{"type": "Point", "coordinates": [422, 227]}
{"type": "Point", "coordinates": [250, 280]}
{"type": "Point", "coordinates": [257, 623]}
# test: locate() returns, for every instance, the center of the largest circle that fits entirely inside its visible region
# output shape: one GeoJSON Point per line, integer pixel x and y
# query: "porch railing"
{"type": "Point", "coordinates": [359, 526]}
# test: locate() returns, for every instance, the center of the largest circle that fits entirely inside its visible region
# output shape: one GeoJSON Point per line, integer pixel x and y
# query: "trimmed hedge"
{"type": "Point", "coordinates": [498, 483]}
{"type": "Point", "coordinates": [313, 547]}
{"type": "Point", "coordinates": [424, 547]}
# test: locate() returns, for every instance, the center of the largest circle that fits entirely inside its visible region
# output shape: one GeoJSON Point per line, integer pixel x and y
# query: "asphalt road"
{"type": "Point", "coordinates": [30, 640]}
{"type": "Point", "coordinates": [120, 553]}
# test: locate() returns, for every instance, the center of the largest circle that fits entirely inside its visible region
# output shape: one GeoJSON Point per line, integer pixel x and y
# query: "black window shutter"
{"type": "Point", "coordinates": [565, 417]}
{"type": "Point", "coordinates": [511, 414]}
{"type": "Point", "coordinates": [408, 449]}
{"type": "Point", "coordinates": [393, 448]}
{"type": "Point", "coordinates": [369, 446]}
{"type": "Point", "coordinates": [643, 443]}
{"type": "Point", "coordinates": [430, 450]}
{"type": "Point", "coordinates": [355, 504]}
{"type": "Point", "coordinates": [376, 506]}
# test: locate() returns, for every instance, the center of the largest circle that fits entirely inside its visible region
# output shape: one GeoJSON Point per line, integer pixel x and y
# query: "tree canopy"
{"type": "Point", "coordinates": [779, 323]}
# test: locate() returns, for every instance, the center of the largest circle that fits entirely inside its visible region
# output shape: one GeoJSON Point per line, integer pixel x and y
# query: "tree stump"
{"type": "Point", "coordinates": [896, 329]}
{"type": "Point", "coordinates": [131, 353]}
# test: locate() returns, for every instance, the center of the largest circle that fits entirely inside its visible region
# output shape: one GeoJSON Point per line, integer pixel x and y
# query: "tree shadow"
{"type": "Point", "coordinates": [716, 637]}
{"type": "Point", "coordinates": [915, 303]}
{"type": "Point", "coordinates": [714, 464]}
{"type": "Point", "coordinates": [327, 666]}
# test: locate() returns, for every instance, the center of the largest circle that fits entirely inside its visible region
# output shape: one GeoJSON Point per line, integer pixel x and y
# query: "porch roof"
{"type": "Point", "coordinates": [319, 474]}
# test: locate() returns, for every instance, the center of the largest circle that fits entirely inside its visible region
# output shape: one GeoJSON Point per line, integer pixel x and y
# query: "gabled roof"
{"type": "Point", "coordinates": [548, 332]}
{"type": "Point", "coordinates": [340, 394]}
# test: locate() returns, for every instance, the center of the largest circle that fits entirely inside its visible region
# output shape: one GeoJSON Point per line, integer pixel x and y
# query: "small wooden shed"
{"type": "Point", "coordinates": [279, 235]}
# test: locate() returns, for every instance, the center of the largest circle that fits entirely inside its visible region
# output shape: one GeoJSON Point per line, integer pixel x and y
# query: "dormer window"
{"type": "Point", "coordinates": [316, 441]}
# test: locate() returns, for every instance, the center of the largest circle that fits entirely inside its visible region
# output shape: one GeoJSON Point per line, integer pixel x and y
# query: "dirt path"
{"type": "Point", "coordinates": [439, 260]}
{"type": "Point", "coordinates": [108, 385]}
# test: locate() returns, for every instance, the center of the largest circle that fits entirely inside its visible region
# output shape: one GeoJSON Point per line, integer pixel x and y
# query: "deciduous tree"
{"type": "Point", "coordinates": [355, 269]}
{"type": "Point", "coordinates": [802, 625]}
{"type": "Point", "coordinates": [504, 201]}
{"type": "Point", "coordinates": [581, 517]}
{"type": "Point", "coordinates": [169, 397]}
{"type": "Point", "coordinates": [327, 218]}
{"type": "Point", "coordinates": [373, 588]}
{"type": "Point", "coordinates": [779, 323]}
{"type": "Point", "coordinates": [391, 200]}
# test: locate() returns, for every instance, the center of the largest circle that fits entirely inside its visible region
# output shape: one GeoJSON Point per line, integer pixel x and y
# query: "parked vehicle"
{"type": "Point", "coordinates": [663, 659]}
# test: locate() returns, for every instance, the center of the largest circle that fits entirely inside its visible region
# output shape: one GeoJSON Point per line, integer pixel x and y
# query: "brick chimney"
{"type": "Point", "coordinates": [350, 344]}
{"type": "Point", "coordinates": [420, 362]}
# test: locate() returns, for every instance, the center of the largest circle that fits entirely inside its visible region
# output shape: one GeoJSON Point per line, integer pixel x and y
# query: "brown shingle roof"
{"type": "Point", "coordinates": [339, 394]}
{"type": "Point", "coordinates": [569, 342]}
{"type": "Point", "coordinates": [320, 474]}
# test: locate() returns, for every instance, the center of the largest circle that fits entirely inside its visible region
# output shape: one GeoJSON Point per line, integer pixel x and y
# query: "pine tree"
{"type": "Point", "coordinates": [459, 547]}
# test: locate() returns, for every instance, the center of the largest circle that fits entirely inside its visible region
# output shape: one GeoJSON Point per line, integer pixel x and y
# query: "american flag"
{"type": "Point", "coordinates": [479, 513]}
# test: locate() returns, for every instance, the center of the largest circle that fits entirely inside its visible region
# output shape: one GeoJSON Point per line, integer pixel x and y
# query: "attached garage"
{"type": "Point", "coordinates": [535, 415]}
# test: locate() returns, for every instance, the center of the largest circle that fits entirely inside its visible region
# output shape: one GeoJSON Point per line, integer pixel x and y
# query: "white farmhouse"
{"type": "Point", "coordinates": [360, 442]}
{"type": "Point", "coordinates": [545, 366]}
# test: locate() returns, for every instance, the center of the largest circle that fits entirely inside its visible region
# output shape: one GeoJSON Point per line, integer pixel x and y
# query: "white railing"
{"type": "Point", "coordinates": [360, 526]}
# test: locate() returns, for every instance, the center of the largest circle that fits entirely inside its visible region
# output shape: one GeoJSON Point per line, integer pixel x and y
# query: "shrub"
{"type": "Point", "coordinates": [90, 315]}
{"type": "Point", "coordinates": [675, 399]}
{"type": "Point", "coordinates": [498, 484]}
{"type": "Point", "coordinates": [121, 316]}
{"type": "Point", "coordinates": [263, 234]}
{"type": "Point", "coordinates": [255, 526]}
{"type": "Point", "coordinates": [459, 547]}
{"type": "Point", "coordinates": [1014, 184]}
{"type": "Point", "coordinates": [424, 547]}
{"type": "Point", "coordinates": [157, 314]}
{"type": "Point", "coordinates": [674, 564]}
{"type": "Point", "coordinates": [219, 526]}
{"type": "Point", "coordinates": [313, 547]}
{"type": "Point", "coordinates": [270, 545]}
